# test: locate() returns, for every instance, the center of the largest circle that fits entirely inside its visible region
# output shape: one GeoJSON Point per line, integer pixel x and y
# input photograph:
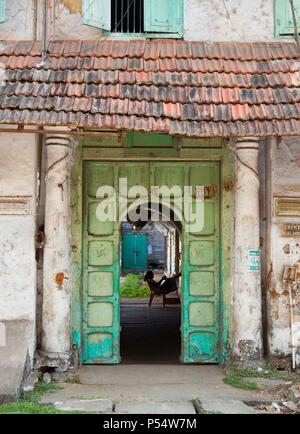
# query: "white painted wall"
{"type": "Point", "coordinates": [284, 181]}
{"type": "Point", "coordinates": [229, 20]}
{"type": "Point", "coordinates": [17, 232]}
{"type": "Point", "coordinates": [207, 20]}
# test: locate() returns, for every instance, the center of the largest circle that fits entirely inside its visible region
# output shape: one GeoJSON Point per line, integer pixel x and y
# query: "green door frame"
{"type": "Point", "coordinates": [108, 148]}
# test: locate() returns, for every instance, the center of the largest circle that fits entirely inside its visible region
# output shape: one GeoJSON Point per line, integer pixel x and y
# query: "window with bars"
{"type": "Point", "coordinates": [155, 17]}
{"type": "Point", "coordinates": [127, 16]}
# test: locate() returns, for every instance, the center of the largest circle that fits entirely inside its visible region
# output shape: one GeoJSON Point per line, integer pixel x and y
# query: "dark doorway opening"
{"type": "Point", "coordinates": [151, 334]}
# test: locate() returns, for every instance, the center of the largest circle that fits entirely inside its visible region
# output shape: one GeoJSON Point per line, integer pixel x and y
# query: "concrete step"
{"type": "Point", "coordinates": [154, 407]}
{"type": "Point", "coordinates": [224, 406]}
{"type": "Point", "coordinates": [13, 352]}
{"type": "Point", "coordinates": [87, 405]}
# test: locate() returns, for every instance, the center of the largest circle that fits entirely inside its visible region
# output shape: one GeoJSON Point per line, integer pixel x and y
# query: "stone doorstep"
{"type": "Point", "coordinates": [154, 407]}
{"type": "Point", "coordinates": [223, 406]}
{"type": "Point", "coordinates": [124, 407]}
{"type": "Point", "coordinates": [88, 405]}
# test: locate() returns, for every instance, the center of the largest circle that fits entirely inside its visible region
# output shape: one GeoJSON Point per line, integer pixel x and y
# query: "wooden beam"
{"type": "Point", "coordinates": [21, 129]}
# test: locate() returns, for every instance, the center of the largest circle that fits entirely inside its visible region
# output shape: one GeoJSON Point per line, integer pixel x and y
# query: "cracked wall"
{"type": "Point", "coordinates": [284, 181]}
{"type": "Point", "coordinates": [18, 180]}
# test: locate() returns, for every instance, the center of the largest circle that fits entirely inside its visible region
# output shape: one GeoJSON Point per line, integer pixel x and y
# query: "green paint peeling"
{"type": "Point", "coordinates": [206, 261]}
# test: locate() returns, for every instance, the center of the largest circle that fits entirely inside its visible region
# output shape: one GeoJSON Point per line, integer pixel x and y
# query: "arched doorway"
{"type": "Point", "coordinates": [150, 328]}
{"type": "Point", "coordinates": [200, 314]}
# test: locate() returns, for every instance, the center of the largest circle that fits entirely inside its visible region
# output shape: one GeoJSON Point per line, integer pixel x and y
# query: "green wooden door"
{"type": "Point", "coordinates": [199, 261]}
{"type": "Point", "coordinates": [200, 269]}
{"type": "Point", "coordinates": [101, 317]}
{"type": "Point", "coordinates": [134, 251]}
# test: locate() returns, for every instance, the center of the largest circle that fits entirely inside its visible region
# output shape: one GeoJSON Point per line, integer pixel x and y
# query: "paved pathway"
{"type": "Point", "coordinates": [150, 379]}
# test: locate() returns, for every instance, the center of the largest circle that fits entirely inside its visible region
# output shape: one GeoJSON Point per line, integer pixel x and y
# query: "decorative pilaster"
{"type": "Point", "coordinates": [247, 315]}
{"type": "Point", "coordinates": [56, 283]}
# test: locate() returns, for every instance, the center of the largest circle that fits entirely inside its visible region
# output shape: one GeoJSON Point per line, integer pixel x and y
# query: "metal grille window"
{"type": "Point", "coordinates": [140, 17]}
{"type": "Point", "coordinates": [127, 16]}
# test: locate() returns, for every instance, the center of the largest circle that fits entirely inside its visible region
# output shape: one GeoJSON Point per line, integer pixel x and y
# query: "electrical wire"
{"type": "Point", "coordinates": [229, 18]}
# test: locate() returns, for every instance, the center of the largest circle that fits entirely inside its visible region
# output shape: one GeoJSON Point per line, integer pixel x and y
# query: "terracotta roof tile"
{"type": "Point", "coordinates": [167, 86]}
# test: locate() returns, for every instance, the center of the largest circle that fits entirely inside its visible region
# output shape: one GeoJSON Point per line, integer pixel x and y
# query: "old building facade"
{"type": "Point", "coordinates": [175, 93]}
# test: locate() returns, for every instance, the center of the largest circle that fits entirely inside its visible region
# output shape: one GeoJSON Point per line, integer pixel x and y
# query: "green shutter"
{"type": "Point", "coordinates": [96, 13]}
{"type": "Point", "coordinates": [2, 11]}
{"type": "Point", "coordinates": [163, 16]}
{"type": "Point", "coordinates": [284, 19]}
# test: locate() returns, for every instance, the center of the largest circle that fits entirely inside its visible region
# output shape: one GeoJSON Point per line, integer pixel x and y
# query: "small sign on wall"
{"type": "Point", "coordinates": [287, 206]}
{"type": "Point", "coordinates": [254, 260]}
{"type": "Point", "coordinates": [290, 229]}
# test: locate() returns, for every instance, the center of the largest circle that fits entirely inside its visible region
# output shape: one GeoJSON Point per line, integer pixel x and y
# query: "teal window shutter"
{"type": "Point", "coordinates": [284, 23]}
{"type": "Point", "coordinates": [163, 16]}
{"type": "Point", "coordinates": [96, 13]}
{"type": "Point", "coordinates": [2, 11]}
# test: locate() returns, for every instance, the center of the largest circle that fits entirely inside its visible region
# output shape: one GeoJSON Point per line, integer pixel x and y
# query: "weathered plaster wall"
{"type": "Point", "coordinates": [214, 20]}
{"type": "Point", "coordinates": [284, 181]}
{"type": "Point", "coordinates": [19, 23]}
{"type": "Point", "coordinates": [17, 232]}
{"type": "Point", "coordinates": [229, 20]}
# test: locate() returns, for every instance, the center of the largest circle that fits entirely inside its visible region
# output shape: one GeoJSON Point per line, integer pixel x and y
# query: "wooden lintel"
{"type": "Point", "coordinates": [78, 132]}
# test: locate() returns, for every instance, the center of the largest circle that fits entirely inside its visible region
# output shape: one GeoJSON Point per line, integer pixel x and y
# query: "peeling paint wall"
{"type": "Point", "coordinates": [17, 228]}
{"type": "Point", "coordinates": [19, 22]}
{"type": "Point", "coordinates": [208, 20]}
{"type": "Point", "coordinates": [284, 181]}
{"type": "Point", "coordinates": [229, 20]}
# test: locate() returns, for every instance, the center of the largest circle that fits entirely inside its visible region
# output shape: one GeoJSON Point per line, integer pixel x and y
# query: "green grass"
{"type": "Point", "coordinates": [210, 412]}
{"type": "Point", "coordinates": [235, 381]}
{"type": "Point", "coordinates": [70, 380]}
{"type": "Point", "coordinates": [85, 398]}
{"type": "Point", "coordinates": [25, 407]}
{"type": "Point", "coordinates": [29, 402]}
{"type": "Point", "coordinates": [236, 376]}
{"type": "Point", "coordinates": [268, 371]}
{"type": "Point", "coordinates": [132, 287]}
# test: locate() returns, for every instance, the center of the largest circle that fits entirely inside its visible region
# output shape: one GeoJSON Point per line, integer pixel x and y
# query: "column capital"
{"type": "Point", "coordinates": [57, 140]}
{"type": "Point", "coordinates": [248, 139]}
{"type": "Point", "coordinates": [247, 143]}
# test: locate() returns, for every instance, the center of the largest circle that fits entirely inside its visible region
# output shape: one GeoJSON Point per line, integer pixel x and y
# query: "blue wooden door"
{"type": "Point", "coordinates": [134, 251]}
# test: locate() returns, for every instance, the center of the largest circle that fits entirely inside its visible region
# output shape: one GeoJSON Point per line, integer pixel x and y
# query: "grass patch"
{"type": "Point", "coordinates": [87, 398]}
{"type": "Point", "coordinates": [267, 371]}
{"type": "Point", "coordinates": [29, 402]}
{"type": "Point", "coordinates": [235, 381]}
{"type": "Point", "coordinates": [132, 287]}
{"type": "Point", "coordinates": [70, 380]}
{"type": "Point", "coordinates": [40, 389]}
{"type": "Point", "coordinates": [210, 412]}
{"type": "Point", "coordinates": [26, 407]}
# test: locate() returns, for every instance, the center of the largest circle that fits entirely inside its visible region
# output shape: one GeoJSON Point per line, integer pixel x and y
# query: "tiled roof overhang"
{"type": "Point", "coordinates": [196, 89]}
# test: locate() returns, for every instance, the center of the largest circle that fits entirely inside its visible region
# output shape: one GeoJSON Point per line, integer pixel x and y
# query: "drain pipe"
{"type": "Point", "coordinates": [289, 277]}
{"type": "Point", "coordinates": [292, 328]}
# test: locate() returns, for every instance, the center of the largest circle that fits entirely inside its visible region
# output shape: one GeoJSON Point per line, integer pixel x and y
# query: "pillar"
{"type": "Point", "coordinates": [247, 315]}
{"type": "Point", "coordinates": [56, 267]}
